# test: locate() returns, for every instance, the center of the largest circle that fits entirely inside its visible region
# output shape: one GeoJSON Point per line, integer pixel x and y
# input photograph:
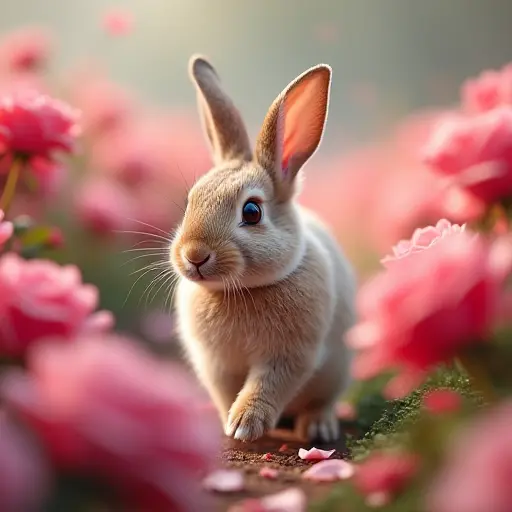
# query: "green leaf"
{"type": "Point", "coordinates": [37, 236]}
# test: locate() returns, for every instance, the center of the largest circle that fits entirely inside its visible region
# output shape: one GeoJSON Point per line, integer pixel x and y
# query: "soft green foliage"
{"type": "Point", "coordinates": [400, 414]}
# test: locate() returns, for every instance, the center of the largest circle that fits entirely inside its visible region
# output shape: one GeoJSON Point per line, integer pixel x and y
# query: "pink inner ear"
{"type": "Point", "coordinates": [297, 119]}
{"type": "Point", "coordinates": [289, 138]}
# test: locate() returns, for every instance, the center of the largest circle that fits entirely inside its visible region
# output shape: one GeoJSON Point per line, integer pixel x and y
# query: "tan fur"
{"type": "Point", "coordinates": [264, 329]}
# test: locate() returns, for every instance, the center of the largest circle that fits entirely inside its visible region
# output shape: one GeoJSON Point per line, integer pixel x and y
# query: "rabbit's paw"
{"type": "Point", "coordinates": [248, 422]}
{"type": "Point", "coordinates": [321, 425]}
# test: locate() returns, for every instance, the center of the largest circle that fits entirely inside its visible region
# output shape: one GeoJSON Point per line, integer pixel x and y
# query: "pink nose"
{"type": "Point", "coordinates": [197, 255]}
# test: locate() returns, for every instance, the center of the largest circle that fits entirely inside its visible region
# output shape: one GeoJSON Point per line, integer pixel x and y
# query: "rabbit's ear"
{"type": "Point", "coordinates": [221, 120]}
{"type": "Point", "coordinates": [293, 127]}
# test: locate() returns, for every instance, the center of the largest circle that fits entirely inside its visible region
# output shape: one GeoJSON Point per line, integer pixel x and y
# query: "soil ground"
{"type": "Point", "coordinates": [269, 451]}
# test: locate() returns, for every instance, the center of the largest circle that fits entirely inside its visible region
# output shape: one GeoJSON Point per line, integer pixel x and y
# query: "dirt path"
{"type": "Point", "coordinates": [270, 452]}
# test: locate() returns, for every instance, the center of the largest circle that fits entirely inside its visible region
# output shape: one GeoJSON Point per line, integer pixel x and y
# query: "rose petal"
{"type": "Point", "coordinates": [270, 473]}
{"type": "Point", "coordinates": [329, 471]}
{"type": "Point", "coordinates": [315, 454]}
{"type": "Point", "coordinates": [225, 480]}
{"type": "Point", "coordinates": [289, 500]}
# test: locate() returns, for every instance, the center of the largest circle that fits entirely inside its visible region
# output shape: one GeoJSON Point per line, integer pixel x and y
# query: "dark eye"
{"type": "Point", "coordinates": [251, 213]}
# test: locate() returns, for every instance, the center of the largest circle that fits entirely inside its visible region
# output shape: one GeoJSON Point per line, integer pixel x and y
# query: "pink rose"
{"type": "Point", "coordinates": [24, 474]}
{"type": "Point", "coordinates": [39, 298]}
{"type": "Point", "coordinates": [103, 406]}
{"type": "Point", "coordinates": [383, 475]}
{"type": "Point", "coordinates": [478, 470]}
{"type": "Point", "coordinates": [34, 124]}
{"type": "Point", "coordinates": [118, 22]}
{"type": "Point", "coordinates": [488, 91]}
{"type": "Point", "coordinates": [105, 105]}
{"type": "Point", "coordinates": [475, 153]}
{"type": "Point", "coordinates": [6, 229]}
{"type": "Point", "coordinates": [47, 176]}
{"type": "Point", "coordinates": [104, 206]}
{"type": "Point", "coordinates": [134, 153]}
{"type": "Point", "coordinates": [26, 49]}
{"type": "Point", "coordinates": [441, 401]}
{"type": "Point", "coordinates": [425, 310]}
{"type": "Point", "coordinates": [422, 239]}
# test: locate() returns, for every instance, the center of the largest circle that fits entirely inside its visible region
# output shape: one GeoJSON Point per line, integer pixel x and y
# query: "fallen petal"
{"type": "Point", "coordinates": [225, 480]}
{"type": "Point", "coordinates": [270, 473]}
{"type": "Point", "coordinates": [329, 471]}
{"type": "Point", "coordinates": [290, 500]}
{"type": "Point", "coordinates": [315, 454]}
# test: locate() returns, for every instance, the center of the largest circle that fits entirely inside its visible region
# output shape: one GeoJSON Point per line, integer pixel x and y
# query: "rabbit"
{"type": "Point", "coordinates": [264, 295]}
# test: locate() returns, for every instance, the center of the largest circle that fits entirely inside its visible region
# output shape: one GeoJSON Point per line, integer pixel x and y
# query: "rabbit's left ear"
{"type": "Point", "coordinates": [293, 127]}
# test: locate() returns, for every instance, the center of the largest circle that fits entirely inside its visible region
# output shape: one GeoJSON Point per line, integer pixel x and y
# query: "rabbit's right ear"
{"type": "Point", "coordinates": [221, 120]}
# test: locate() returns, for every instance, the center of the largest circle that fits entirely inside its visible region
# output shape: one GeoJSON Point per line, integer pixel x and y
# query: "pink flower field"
{"type": "Point", "coordinates": [99, 411]}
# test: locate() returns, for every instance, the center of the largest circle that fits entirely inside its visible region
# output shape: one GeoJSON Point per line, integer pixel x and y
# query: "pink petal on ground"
{"type": "Point", "coordinates": [315, 454]}
{"type": "Point", "coordinates": [270, 473]}
{"type": "Point", "coordinates": [290, 500]}
{"type": "Point", "coordinates": [329, 471]}
{"type": "Point", "coordinates": [283, 448]}
{"type": "Point", "coordinates": [225, 480]}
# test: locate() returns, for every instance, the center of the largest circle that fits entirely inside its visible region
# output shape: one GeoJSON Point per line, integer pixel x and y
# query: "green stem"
{"type": "Point", "coordinates": [480, 378]}
{"type": "Point", "coordinates": [12, 180]}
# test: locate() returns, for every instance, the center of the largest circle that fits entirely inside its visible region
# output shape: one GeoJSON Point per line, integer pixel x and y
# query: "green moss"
{"type": "Point", "coordinates": [399, 414]}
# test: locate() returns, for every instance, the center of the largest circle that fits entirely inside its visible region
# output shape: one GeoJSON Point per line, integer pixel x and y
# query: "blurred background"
{"type": "Point", "coordinates": [398, 65]}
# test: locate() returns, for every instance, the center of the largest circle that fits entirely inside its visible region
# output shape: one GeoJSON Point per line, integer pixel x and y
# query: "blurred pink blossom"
{"type": "Point", "coordinates": [6, 229]}
{"type": "Point", "coordinates": [166, 149]}
{"type": "Point", "coordinates": [289, 500]}
{"type": "Point", "coordinates": [478, 471]}
{"type": "Point", "coordinates": [135, 153]}
{"type": "Point", "coordinates": [26, 49]}
{"type": "Point", "coordinates": [32, 124]}
{"type": "Point", "coordinates": [475, 153]}
{"type": "Point", "coordinates": [118, 22]}
{"type": "Point", "coordinates": [39, 298]}
{"type": "Point", "coordinates": [425, 310]}
{"type": "Point", "coordinates": [24, 475]}
{"type": "Point", "coordinates": [225, 480]}
{"type": "Point", "coordinates": [383, 475]}
{"type": "Point", "coordinates": [103, 206]}
{"type": "Point", "coordinates": [270, 473]}
{"type": "Point", "coordinates": [158, 326]}
{"type": "Point", "coordinates": [422, 239]}
{"type": "Point", "coordinates": [488, 91]}
{"type": "Point", "coordinates": [103, 406]}
{"type": "Point", "coordinates": [48, 176]}
{"type": "Point", "coordinates": [441, 401]}
{"type": "Point", "coordinates": [105, 105]}
{"type": "Point", "coordinates": [353, 192]}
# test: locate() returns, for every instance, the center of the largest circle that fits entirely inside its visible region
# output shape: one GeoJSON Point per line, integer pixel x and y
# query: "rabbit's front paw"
{"type": "Point", "coordinates": [248, 422]}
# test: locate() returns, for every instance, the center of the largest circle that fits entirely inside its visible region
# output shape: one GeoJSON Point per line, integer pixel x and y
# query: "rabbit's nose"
{"type": "Point", "coordinates": [197, 255]}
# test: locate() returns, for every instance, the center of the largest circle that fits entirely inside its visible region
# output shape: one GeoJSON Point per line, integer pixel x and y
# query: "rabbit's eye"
{"type": "Point", "coordinates": [251, 213]}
